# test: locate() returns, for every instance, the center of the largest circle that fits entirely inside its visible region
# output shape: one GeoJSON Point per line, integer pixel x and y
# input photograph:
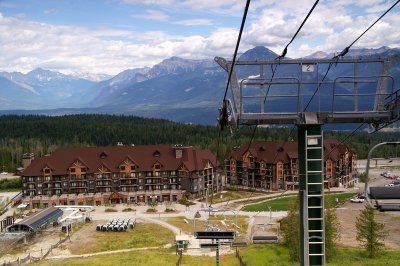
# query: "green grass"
{"type": "Point", "coordinates": [356, 257]}
{"type": "Point", "coordinates": [282, 204]}
{"type": "Point", "coordinates": [253, 255]}
{"type": "Point", "coordinates": [160, 257]}
{"type": "Point", "coordinates": [231, 194]}
{"type": "Point", "coordinates": [143, 235]}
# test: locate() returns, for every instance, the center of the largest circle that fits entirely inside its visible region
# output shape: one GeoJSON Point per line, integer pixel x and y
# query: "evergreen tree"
{"type": "Point", "coordinates": [291, 231]}
{"type": "Point", "coordinates": [370, 233]}
{"type": "Point", "coordinates": [332, 229]}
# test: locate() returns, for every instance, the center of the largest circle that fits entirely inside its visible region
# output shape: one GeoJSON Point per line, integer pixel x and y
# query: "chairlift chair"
{"type": "Point", "coordinates": [377, 194]}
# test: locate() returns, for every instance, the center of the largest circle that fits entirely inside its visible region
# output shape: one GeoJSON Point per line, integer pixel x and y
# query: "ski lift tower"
{"type": "Point", "coordinates": [309, 93]}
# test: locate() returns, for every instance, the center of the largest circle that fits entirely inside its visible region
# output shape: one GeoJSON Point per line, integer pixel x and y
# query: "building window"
{"type": "Point", "coordinates": [72, 170]}
{"type": "Point", "coordinates": [46, 171]}
{"type": "Point", "coordinates": [173, 173]}
{"type": "Point", "coordinates": [133, 168]}
{"type": "Point", "coordinates": [122, 167]}
{"type": "Point", "coordinates": [83, 170]}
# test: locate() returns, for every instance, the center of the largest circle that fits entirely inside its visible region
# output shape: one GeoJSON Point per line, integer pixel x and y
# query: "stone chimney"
{"type": "Point", "coordinates": [27, 158]}
{"type": "Point", "coordinates": [178, 151]}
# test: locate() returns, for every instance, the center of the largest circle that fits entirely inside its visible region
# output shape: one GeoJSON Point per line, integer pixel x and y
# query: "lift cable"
{"type": "Point", "coordinates": [224, 109]}
{"type": "Point", "coordinates": [345, 51]}
{"type": "Point", "coordinates": [298, 30]}
{"type": "Point", "coordinates": [223, 116]}
{"type": "Point", "coordinates": [344, 140]}
{"type": "Point", "coordinates": [282, 56]}
{"type": "Point", "coordinates": [237, 46]}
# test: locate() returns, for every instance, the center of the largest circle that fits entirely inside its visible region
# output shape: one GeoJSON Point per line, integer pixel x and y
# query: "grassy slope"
{"type": "Point", "coordinates": [282, 204]}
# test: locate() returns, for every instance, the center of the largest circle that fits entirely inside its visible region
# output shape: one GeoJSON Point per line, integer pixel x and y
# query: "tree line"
{"type": "Point", "coordinates": [41, 135]}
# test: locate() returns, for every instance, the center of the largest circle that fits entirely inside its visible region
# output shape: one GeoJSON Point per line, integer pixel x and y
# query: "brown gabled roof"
{"type": "Point", "coordinates": [275, 151]}
{"type": "Point", "coordinates": [143, 156]}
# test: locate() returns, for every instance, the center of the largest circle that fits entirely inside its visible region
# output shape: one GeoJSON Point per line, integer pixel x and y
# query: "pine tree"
{"type": "Point", "coordinates": [370, 233]}
{"type": "Point", "coordinates": [332, 229]}
{"type": "Point", "coordinates": [291, 231]}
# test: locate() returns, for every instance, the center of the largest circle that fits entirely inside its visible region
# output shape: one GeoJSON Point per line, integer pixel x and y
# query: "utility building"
{"type": "Point", "coordinates": [37, 221]}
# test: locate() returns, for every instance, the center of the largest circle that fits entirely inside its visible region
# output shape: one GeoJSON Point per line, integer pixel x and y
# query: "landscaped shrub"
{"type": "Point", "coordinates": [129, 210]}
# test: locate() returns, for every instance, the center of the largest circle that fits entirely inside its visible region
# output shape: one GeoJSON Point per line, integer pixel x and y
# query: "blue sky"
{"type": "Point", "coordinates": [109, 36]}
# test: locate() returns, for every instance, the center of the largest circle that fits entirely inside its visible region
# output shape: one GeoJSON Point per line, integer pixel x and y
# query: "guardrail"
{"type": "Point", "coordinates": [241, 261]}
{"type": "Point", "coordinates": [30, 258]}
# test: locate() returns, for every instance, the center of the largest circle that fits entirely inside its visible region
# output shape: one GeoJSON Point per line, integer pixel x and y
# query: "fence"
{"type": "Point", "coordinates": [179, 262]}
{"type": "Point", "coordinates": [31, 258]}
{"type": "Point", "coordinates": [242, 263]}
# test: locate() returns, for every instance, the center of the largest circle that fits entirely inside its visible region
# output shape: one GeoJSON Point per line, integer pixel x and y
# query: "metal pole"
{"type": "Point", "coordinates": [310, 149]}
{"type": "Point", "coordinates": [217, 251]}
{"type": "Point", "coordinates": [366, 188]}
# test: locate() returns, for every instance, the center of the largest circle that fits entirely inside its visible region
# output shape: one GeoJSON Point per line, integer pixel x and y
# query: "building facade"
{"type": "Point", "coordinates": [274, 166]}
{"type": "Point", "coordinates": [118, 174]}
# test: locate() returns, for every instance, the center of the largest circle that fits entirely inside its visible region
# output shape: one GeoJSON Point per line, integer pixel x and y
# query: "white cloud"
{"type": "Point", "coordinates": [148, 2]}
{"type": "Point", "coordinates": [52, 11]}
{"type": "Point", "coordinates": [152, 14]}
{"type": "Point", "coordinates": [26, 44]}
{"type": "Point", "coordinates": [195, 22]}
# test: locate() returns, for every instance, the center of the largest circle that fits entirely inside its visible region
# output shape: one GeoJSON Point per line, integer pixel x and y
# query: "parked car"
{"type": "Point", "coordinates": [358, 199]}
{"type": "Point", "coordinates": [386, 174]}
{"type": "Point", "coordinates": [389, 185]}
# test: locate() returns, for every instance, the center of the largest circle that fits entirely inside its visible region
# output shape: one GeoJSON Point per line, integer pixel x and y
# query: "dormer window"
{"type": "Point", "coordinates": [72, 169]}
{"type": "Point", "coordinates": [83, 169]}
{"type": "Point", "coordinates": [47, 171]}
{"type": "Point", "coordinates": [103, 155]}
{"type": "Point", "coordinates": [156, 153]}
{"type": "Point", "coordinates": [122, 167]}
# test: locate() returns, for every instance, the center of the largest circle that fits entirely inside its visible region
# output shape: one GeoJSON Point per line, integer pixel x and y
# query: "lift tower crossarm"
{"type": "Point", "coordinates": [336, 101]}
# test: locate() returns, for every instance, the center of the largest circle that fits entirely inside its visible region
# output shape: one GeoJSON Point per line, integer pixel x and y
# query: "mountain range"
{"type": "Point", "coordinates": [177, 89]}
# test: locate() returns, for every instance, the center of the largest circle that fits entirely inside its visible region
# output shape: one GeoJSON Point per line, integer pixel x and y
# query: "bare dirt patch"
{"type": "Point", "coordinates": [348, 215]}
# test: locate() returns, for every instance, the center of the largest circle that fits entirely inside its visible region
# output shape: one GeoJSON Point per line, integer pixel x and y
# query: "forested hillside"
{"type": "Point", "coordinates": [43, 134]}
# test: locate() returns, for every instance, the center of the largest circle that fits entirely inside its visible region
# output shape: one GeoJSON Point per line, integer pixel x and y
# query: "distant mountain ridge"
{"type": "Point", "coordinates": [178, 89]}
{"type": "Point", "coordinates": [43, 89]}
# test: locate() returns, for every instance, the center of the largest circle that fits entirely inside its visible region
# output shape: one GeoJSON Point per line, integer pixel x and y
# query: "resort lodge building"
{"type": "Point", "coordinates": [274, 166]}
{"type": "Point", "coordinates": [117, 174]}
